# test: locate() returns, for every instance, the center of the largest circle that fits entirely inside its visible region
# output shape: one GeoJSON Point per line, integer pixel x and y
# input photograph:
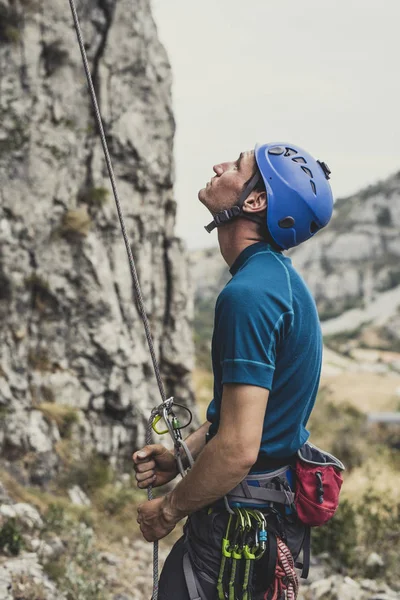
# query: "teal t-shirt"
{"type": "Point", "coordinates": [267, 333]}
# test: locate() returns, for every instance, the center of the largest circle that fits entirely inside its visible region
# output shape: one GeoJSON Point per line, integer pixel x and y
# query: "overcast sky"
{"type": "Point", "coordinates": [324, 75]}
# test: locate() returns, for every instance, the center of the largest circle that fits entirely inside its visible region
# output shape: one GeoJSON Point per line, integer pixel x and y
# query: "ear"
{"type": "Point", "coordinates": [256, 202]}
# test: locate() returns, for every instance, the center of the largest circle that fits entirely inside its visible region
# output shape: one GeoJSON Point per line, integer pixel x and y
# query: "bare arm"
{"type": "Point", "coordinates": [156, 465]}
{"type": "Point", "coordinates": [195, 442]}
{"type": "Point", "coordinates": [228, 457]}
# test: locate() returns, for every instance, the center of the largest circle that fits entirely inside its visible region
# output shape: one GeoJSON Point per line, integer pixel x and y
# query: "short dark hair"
{"type": "Point", "coordinates": [260, 185]}
{"type": "Point", "coordinates": [263, 227]}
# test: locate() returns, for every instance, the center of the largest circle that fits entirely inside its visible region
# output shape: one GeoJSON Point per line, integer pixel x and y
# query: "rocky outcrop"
{"type": "Point", "coordinates": [74, 363]}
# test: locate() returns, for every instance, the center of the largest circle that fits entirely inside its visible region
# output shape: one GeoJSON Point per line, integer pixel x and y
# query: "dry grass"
{"type": "Point", "coordinates": [379, 473]}
{"type": "Point", "coordinates": [76, 222]}
{"type": "Point", "coordinates": [203, 385]}
{"type": "Point", "coordinates": [63, 416]}
{"type": "Point", "coordinates": [367, 392]}
{"type": "Point", "coordinates": [24, 587]}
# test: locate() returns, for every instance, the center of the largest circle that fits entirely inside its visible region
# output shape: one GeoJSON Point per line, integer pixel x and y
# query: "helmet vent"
{"type": "Point", "coordinates": [299, 159]}
{"type": "Point", "coordinates": [307, 171]}
{"type": "Point", "coordinates": [290, 152]}
{"type": "Point", "coordinates": [276, 150]}
{"type": "Point", "coordinates": [314, 189]}
{"type": "Point", "coordinates": [313, 227]}
{"type": "Point", "coordinates": [286, 223]}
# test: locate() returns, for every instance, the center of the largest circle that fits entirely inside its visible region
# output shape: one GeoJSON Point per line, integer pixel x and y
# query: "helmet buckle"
{"type": "Point", "coordinates": [325, 168]}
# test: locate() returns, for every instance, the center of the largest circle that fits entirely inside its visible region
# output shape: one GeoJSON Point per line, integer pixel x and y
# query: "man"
{"type": "Point", "coordinates": [266, 353]}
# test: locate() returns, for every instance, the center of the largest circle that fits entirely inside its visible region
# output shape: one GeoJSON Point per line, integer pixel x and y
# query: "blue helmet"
{"type": "Point", "coordinates": [300, 200]}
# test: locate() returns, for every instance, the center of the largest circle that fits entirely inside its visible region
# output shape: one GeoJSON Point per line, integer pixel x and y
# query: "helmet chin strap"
{"type": "Point", "coordinates": [231, 213]}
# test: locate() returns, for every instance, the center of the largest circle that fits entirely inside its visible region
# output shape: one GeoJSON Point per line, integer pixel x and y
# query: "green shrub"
{"type": "Point", "coordinates": [11, 538]}
{"type": "Point", "coordinates": [338, 537]}
{"type": "Point", "coordinates": [94, 196]}
{"type": "Point", "coordinates": [379, 531]}
{"type": "Point", "coordinates": [64, 416]}
{"type": "Point", "coordinates": [55, 569]}
{"type": "Point", "coordinates": [357, 529]}
{"type": "Point", "coordinates": [91, 474]}
{"type": "Point", "coordinates": [82, 578]}
{"type": "Point", "coordinates": [78, 573]}
{"type": "Point", "coordinates": [54, 518]}
{"type": "Point", "coordinates": [10, 24]}
{"type": "Point", "coordinates": [116, 500]}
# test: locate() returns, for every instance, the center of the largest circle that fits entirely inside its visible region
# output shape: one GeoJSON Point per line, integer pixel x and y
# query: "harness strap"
{"type": "Point", "coordinates": [192, 583]}
{"type": "Point", "coordinates": [305, 565]}
{"type": "Point", "coordinates": [260, 494]}
{"type": "Point", "coordinates": [272, 559]}
{"type": "Point", "coordinates": [231, 213]}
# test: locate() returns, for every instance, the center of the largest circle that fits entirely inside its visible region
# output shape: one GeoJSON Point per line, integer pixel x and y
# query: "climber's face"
{"type": "Point", "coordinates": [223, 190]}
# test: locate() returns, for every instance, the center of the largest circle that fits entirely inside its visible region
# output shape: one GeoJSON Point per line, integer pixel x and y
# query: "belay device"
{"type": "Point", "coordinates": [165, 411]}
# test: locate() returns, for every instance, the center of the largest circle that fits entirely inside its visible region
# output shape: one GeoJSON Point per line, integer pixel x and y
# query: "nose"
{"type": "Point", "coordinates": [218, 169]}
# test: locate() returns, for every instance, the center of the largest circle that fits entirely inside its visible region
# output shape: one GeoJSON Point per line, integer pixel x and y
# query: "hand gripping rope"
{"type": "Point", "coordinates": [165, 409]}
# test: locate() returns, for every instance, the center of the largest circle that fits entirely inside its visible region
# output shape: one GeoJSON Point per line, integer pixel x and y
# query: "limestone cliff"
{"type": "Point", "coordinates": [73, 357]}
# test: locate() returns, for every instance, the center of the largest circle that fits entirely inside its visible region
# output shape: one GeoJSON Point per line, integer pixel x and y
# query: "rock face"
{"type": "Point", "coordinates": [352, 267]}
{"type": "Point", "coordinates": [73, 356]}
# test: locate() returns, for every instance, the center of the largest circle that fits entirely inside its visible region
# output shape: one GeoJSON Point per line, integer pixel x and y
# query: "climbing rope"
{"type": "Point", "coordinates": [286, 579]}
{"type": "Point", "coordinates": [135, 278]}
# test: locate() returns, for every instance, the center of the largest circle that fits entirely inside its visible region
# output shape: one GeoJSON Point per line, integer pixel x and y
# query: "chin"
{"type": "Point", "coordinates": [201, 195]}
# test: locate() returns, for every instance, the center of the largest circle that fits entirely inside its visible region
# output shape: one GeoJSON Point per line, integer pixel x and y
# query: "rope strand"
{"type": "Point", "coordinates": [135, 278]}
{"type": "Point", "coordinates": [117, 201]}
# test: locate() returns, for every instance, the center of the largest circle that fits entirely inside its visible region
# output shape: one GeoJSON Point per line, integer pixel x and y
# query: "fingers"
{"type": "Point", "coordinates": [146, 452]}
{"type": "Point", "coordinates": [145, 466]}
{"type": "Point", "coordinates": [145, 479]}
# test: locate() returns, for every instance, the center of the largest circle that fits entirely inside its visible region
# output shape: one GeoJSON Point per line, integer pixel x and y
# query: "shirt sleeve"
{"type": "Point", "coordinates": [249, 327]}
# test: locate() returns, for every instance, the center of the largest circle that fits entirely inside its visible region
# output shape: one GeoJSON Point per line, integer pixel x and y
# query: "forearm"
{"type": "Point", "coordinates": [214, 474]}
{"type": "Point", "coordinates": [195, 442]}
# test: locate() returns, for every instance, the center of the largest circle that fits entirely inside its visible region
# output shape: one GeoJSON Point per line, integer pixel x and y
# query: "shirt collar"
{"type": "Point", "coordinates": [247, 253]}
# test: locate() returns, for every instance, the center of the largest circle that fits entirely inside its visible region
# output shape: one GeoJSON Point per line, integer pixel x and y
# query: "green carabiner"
{"type": "Point", "coordinates": [156, 420]}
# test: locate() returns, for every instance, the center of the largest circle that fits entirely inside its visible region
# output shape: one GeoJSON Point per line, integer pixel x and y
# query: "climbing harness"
{"type": "Point", "coordinates": [255, 554]}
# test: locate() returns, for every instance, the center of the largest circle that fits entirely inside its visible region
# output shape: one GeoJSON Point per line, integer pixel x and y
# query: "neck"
{"type": "Point", "coordinates": [236, 236]}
